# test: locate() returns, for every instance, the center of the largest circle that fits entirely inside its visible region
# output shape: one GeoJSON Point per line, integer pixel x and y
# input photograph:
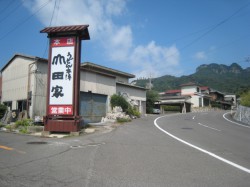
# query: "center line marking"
{"type": "Point", "coordinates": [202, 150]}
{"type": "Point", "coordinates": [6, 148]}
{"type": "Point", "coordinates": [209, 127]}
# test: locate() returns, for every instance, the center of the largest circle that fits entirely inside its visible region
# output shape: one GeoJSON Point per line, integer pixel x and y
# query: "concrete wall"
{"type": "Point", "coordinates": [243, 114]}
{"type": "Point", "coordinates": [137, 95]}
{"type": "Point", "coordinates": [97, 83]}
{"type": "Point", "coordinates": [187, 90]}
{"type": "Point", "coordinates": [15, 81]}
{"type": "Point", "coordinates": [38, 87]}
{"type": "Point", "coordinates": [122, 79]}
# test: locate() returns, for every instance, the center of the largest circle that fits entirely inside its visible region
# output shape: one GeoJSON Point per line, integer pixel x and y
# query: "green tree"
{"type": "Point", "coordinates": [245, 99]}
{"type": "Point", "coordinates": [3, 109]}
{"type": "Point", "coordinates": [118, 100]}
{"type": "Point", "coordinates": [151, 97]}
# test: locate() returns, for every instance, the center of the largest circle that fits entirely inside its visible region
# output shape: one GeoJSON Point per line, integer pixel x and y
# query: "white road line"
{"type": "Point", "coordinates": [200, 149]}
{"type": "Point", "coordinates": [224, 116]}
{"type": "Point", "coordinates": [193, 117]}
{"type": "Point", "coordinates": [209, 127]}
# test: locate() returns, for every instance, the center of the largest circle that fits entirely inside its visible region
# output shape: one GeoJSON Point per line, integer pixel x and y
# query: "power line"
{"type": "Point", "coordinates": [13, 10]}
{"type": "Point", "coordinates": [24, 21]}
{"type": "Point", "coordinates": [7, 6]}
{"type": "Point", "coordinates": [47, 43]}
{"type": "Point", "coordinates": [216, 26]}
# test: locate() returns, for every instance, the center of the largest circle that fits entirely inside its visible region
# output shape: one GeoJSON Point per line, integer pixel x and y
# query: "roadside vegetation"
{"type": "Point", "coordinates": [151, 97]}
{"type": "Point", "coordinates": [245, 99]}
{"type": "Point", "coordinates": [21, 126]}
{"type": "Point", "coordinates": [3, 109]}
{"type": "Point", "coordinates": [132, 111]}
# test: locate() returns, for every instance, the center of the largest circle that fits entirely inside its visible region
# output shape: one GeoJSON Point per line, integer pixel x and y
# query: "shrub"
{"type": "Point", "coordinates": [24, 123]}
{"type": "Point", "coordinates": [171, 108]}
{"type": "Point", "coordinates": [123, 120]}
{"type": "Point", "coordinates": [118, 100]}
{"type": "Point", "coordinates": [245, 99]}
{"type": "Point", "coordinates": [214, 104]}
{"type": "Point", "coordinates": [133, 111]}
{"type": "Point", "coordinates": [151, 97]}
{"type": "Point", "coordinates": [3, 109]}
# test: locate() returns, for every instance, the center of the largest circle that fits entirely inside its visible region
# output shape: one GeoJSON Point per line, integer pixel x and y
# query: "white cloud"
{"type": "Point", "coordinates": [201, 55]}
{"type": "Point", "coordinates": [116, 40]}
{"type": "Point", "coordinates": [155, 59]}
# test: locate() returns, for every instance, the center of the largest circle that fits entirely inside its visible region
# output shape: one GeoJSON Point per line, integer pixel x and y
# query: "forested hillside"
{"type": "Point", "coordinates": [228, 79]}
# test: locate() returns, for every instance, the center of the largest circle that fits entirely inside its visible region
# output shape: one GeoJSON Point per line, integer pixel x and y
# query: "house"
{"type": "Point", "coordinates": [24, 88]}
{"type": "Point", "coordinates": [198, 98]}
{"type": "Point", "coordinates": [216, 95]}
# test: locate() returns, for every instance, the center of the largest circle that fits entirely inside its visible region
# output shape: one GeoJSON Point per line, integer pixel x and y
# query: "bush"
{"type": "Point", "coordinates": [123, 120]}
{"type": "Point", "coordinates": [3, 109]}
{"type": "Point", "coordinates": [214, 104]}
{"type": "Point", "coordinates": [133, 111]}
{"type": "Point", "coordinates": [23, 125]}
{"type": "Point", "coordinates": [172, 108]}
{"type": "Point", "coordinates": [151, 97]}
{"type": "Point", "coordinates": [245, 99]}
{"type": "Point", "coordinates": [118, 100]}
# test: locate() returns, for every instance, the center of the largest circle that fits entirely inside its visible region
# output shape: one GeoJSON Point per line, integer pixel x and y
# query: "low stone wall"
{"type": "Point", "coordinates": [204, 109]}
{"type": "Point", "coordinates": [243, 114]}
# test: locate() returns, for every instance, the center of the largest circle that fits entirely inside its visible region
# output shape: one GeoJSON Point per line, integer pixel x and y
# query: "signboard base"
{"type": "Point", "coordinates": [63, 125]}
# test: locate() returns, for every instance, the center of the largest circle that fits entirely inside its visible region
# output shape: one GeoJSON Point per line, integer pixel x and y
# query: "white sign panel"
{"type": "Point", "coordinates": [62, 76]}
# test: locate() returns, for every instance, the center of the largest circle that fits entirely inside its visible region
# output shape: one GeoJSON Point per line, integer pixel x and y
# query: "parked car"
{"type": "Point", "coordinates": [156, 111]}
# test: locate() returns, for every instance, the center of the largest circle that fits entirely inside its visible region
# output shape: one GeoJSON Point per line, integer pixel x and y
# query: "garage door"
{"type": "Point", "coordinates": [92, 106]}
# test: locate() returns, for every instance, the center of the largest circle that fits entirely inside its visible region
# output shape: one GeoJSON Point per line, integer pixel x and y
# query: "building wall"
{"type": "Point", "coordinates": [38, 87]}
{"type": "Point", "coordinates": [188, 90]}
{"type": "Point", "coordinates": [195, 100]}
{"type": "Point", "coordinates": [135, 94]}
{"type": "Point", "coordinates": [15, 81]}
{"type": "Point", "coordinates": [25, 75]}
{"type": "Point", "coordinates": [99, 84]}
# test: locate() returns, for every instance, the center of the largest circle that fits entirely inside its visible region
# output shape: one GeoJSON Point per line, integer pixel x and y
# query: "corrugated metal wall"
{"type": "Point", "coordinates": [92, 106]}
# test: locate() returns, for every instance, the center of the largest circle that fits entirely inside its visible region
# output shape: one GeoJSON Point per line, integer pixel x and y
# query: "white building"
{"type": "Point", "coordinates": [198, 99]}
{"type": "Point", "coordinates": [24, 87]}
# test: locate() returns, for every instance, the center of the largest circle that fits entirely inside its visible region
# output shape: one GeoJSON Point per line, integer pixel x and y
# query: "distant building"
{"type": "Point", "coordinates": [198, 98]}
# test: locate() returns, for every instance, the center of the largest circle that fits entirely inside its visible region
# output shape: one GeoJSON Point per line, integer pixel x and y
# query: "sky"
{"type": "Point", "coordinates": [141, 37]}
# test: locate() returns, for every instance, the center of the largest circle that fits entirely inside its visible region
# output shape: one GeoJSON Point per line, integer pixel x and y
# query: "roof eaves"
{"type": "Point", "coordinates": [130, 85]}
{"type": "Point", "coordinates": [89, 64]}
{"type": "Point", "coordinates": [81, 30]}
{"type": "Point", "coordinates": [23, 56]}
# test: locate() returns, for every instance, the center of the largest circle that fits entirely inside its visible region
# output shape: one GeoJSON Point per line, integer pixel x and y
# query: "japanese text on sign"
{"type": "Point", "coordinates": [61, 76]}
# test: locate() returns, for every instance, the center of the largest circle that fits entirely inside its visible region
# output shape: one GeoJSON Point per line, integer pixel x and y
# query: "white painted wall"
{"type": "Point", "coordinates": [136, 94]}
{"type": "Point", "coordinates": [15, 81]}
{"type": "Point", "coordinates": [97, 83]}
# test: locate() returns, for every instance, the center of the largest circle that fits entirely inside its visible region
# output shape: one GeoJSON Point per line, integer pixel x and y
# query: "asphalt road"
{"type": "Point", "coordinates": [146, 152]}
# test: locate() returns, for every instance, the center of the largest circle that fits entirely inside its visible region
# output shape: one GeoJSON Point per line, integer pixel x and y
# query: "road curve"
{"type": "Point", "coordinates": [211, 133]}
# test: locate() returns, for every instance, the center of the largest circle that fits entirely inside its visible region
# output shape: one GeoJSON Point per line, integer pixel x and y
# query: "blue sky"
{"type": "Point", "coordinates": [160, 37]}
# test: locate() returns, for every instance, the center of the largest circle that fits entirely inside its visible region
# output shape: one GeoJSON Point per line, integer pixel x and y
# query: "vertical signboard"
{"type": "Point", "coordinates": [61, 93]}
{"type": "Point", "coordinates": [62, 114]}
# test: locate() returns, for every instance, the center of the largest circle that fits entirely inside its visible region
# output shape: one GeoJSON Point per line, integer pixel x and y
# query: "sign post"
{"type": "Point", "coordinates": [63, 86]}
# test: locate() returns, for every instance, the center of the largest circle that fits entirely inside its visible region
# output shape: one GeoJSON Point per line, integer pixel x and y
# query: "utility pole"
{"type": "Point", "coordinates": [150, 81]}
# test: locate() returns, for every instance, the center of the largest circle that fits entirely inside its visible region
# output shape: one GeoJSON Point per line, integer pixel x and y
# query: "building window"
{"type": "Point", "coordinates": [22, 105]}
{"type": "Point", "coordinates": [197, 89]}
{"type": "Point", "coordinates": [8, 104]}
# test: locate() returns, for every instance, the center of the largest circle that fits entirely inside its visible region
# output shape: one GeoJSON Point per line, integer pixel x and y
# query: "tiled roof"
{"type": "Point", "coordinates": [172, 91]}
{"type": "Point", "coordinates": [82, 30]}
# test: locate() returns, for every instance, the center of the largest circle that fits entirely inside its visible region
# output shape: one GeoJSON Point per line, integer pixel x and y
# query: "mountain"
{"type": "Point", "coordinates": [227, 79]}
